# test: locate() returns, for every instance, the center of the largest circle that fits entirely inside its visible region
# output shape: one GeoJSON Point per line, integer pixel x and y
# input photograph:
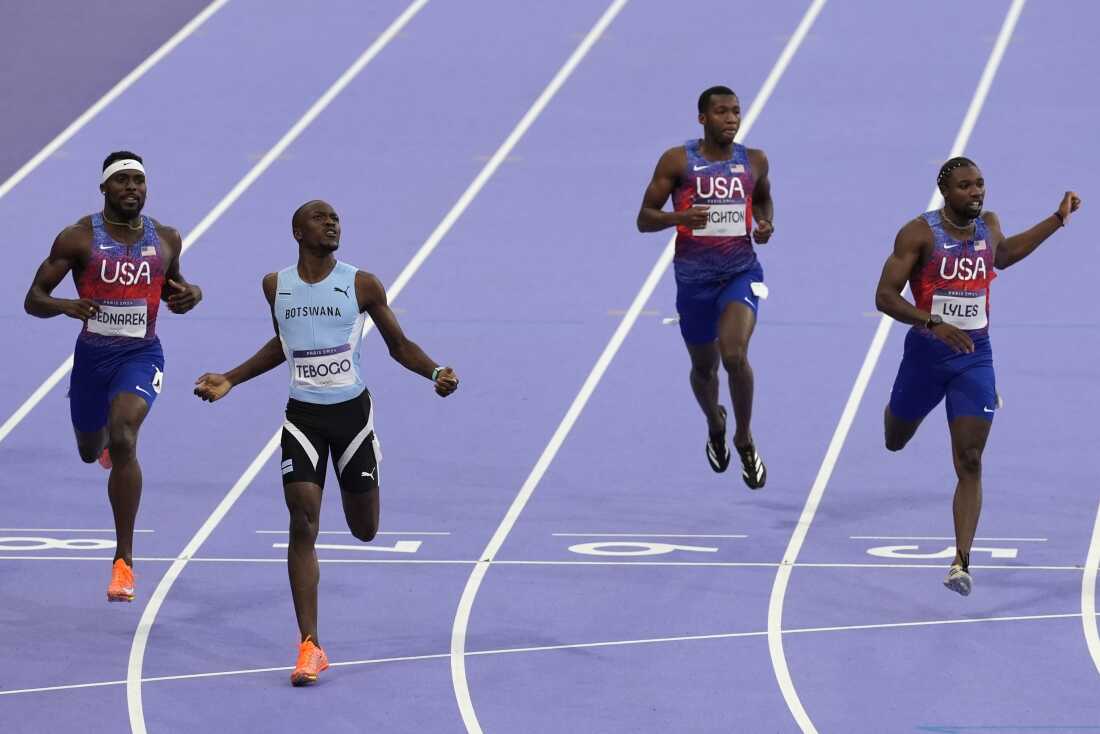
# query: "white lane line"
{"type": "Point", "coordinates": [112, 94]}
{"type": "Point", "coordinates": [639, 535]}
{"type": "Point", "coordinates": [940, 537]}
{"type": "Point", "coordinates": [469, 593]}
{"type": "Point", "coordinates": [552, 648]}
{"type": "Point", "coordinates": [451, 561]}
{"type": "Point", "coordinates": [64, 530]}
{"type": "Point", "coordinates": [817, 491]}
{"type": "Point", "coordinates": [148, 617]}
{"type": "Point", "coordinates": [348, 532]}
{"type": "Point", "coordinates": [239, 189]}
{"type": "Point", "coordinates": [1088, 594]}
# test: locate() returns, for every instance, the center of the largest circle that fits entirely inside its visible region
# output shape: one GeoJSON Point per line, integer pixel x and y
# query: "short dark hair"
{"type": "Point", "coordinates": [298, 213]}
{"type": "Point", "coordinates": [704, 98]}
{"type": "Point", "coordinates": [951, 165]}
{"type": "Point", "coordinates": [121, 155]}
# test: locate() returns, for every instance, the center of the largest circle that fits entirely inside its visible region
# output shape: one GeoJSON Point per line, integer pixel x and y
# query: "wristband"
{"type": "Point", "coordinates": [435, 373]}
{"type": "Point", "coordinates": [1061, 219]}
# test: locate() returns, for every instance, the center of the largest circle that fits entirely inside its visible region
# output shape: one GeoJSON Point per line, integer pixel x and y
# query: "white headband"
{"type": "Point", "coordinates": [129, 164]}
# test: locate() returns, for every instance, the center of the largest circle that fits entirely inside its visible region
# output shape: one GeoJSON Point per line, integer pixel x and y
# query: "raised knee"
{"type": "Point", "coordinates": [365, 534]}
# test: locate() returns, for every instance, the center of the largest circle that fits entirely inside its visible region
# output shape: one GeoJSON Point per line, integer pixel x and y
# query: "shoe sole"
{"type": "Point", "coordinates": [120, 597]}
{"type": "Point", "coordinates": [305, 679]}
{"type": "Point", "coordinates": [718, 468]}
{"type": "Point", "coordinates": [763, 479]}
{"type": "Point", "coordinates": [959, 586]}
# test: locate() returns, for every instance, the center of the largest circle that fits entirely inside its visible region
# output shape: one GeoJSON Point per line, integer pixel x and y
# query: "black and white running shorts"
{"type": "Point", "coordinates": [312, 430]}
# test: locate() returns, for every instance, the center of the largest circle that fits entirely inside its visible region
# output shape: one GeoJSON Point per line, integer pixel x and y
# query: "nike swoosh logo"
{"type": "Point", "coordinates": [700, 168]}
{"type": "Point", "coordinates": [107, 247]}
{"type": "Point", "coordinates": [144, 391]}
{"type": "Point", "coordinates": [988, 410]}
{"type": "Point", "coordinates": [948, 247]}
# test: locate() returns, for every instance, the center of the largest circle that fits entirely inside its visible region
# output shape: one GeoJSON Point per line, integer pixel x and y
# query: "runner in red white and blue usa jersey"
{"type": "Point", "coordinates": [123, 265]}
{"type": "Point", "coordinates": [718, 188]}
{"type": "Point", "coordinates": [947, 256]}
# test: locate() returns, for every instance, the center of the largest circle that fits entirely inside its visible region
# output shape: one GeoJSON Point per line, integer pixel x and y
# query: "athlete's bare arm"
{"type": "Point", "coordinates": [70, 252]}
{"type": "Point", "coordinates": [911, 248]}
{"type": "Point", "coordinates": [762, 207]}
{"type": "Point", "coordinates": [1011, 250]}
{"type": "Point", "coordinates": [652, 217]}
{"type": "Point", "coordinates": [178, 294]}
{"type": "Point", "coordinates": [214, 386]}
{"type": "Point", "coordinates": [373, 300]}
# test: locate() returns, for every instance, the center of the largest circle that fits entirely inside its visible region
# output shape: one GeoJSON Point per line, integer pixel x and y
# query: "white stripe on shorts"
{"type": "Point", "coordinates": [356, 442]}
{"type": "Point", "coordinates": [311, 452]}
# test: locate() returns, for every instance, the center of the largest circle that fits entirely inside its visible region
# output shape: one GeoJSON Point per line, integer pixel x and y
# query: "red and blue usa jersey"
{"type": "Point", "coordinates": [125, 281]}
{"type": "Point", "coordinates": [954, 282]}
{"type": "Point", "coordinates": [723, 247]}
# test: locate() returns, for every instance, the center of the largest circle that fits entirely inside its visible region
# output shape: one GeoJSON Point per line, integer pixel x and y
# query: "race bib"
{"type": "Point", "coordinates": [321, 368]}
{"type": "Point", "coordinates": [962, 309]}
{"type": "Point", "coordinates": [120, 318]}
{"type": "Point", "coordinates": [723, 220]}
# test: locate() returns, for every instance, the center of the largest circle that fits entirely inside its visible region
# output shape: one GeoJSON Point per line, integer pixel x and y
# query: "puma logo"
{"type": "Point", "coordinates": [343, 290]}
{"type": "Point", "coordinates": [370, 473]}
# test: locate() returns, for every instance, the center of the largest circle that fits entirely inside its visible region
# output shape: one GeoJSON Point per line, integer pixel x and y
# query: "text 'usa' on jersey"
{"type": "Point", "coordinates": [125, 281]}
{"type": "Point", "coordinates": [954, 282]}
{"type": "Point", "coordinates": [321, 327]}
{"type": "Point", "coordinates": [723, 247]}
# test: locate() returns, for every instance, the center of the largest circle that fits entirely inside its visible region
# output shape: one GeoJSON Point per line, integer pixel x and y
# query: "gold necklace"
{"type": "Point", "coordinates": [962, 227]}
{"type": "Point", "coordinates": [127, 225]}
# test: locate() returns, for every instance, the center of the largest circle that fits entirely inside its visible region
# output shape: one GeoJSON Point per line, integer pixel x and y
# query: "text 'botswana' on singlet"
{"type": "Point", "coordinates": [954, 283]}
{"type": "Point", "coordinates": [723, 248]}
{"type": "Point", "coordinates": [125, 281]}
{"type": "Point", "coordinates": [320, 326]}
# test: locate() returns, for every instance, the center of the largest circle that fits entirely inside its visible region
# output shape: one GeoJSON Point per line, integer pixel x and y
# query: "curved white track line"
{"type": "Point", "coordinates": [817, 491]}
{"type": "Point", "coordinates": [473, 583]}
{"type": "Point", "coordinates": [148, 617]}
{"type": "Point", "coordinates": [1088, 594]}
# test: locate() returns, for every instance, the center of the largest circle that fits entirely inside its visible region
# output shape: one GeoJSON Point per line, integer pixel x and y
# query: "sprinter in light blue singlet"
{"type": "Point", "coordinates": [319, 307]}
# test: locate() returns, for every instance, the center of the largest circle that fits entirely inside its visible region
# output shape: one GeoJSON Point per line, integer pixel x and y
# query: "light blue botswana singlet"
{"type": "Point", "coordinates": [321, 326]}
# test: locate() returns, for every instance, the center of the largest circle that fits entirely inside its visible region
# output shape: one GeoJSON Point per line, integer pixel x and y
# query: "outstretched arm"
{"type": "Point", "coordinates": [652, 217]}
{"type": "Point", "coordinates": [763, 209]}
{"type": "Point", "coordinates": [912, 241]}
{"type": "Point", "coordinates": [67, 251]}
{"type": "Point", "coordinates": [373, 300]}
{"type": "Point", "coordinates": [214, 386]}
{"type": "Point", "coordinates": [180, 295]}
{"type": "Point", "coordinates": [1011, 250]}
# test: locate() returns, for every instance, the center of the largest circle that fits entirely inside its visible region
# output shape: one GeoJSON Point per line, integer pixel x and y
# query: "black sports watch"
{"type": "Point", "coordinates": [933, 321]}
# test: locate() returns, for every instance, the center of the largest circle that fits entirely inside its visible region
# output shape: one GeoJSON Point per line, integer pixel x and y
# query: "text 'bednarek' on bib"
{"type": "Point", "coordinates": [120, 318]}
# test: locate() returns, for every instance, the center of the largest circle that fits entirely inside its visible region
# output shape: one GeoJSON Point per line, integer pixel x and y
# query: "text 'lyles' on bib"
{"type": "Point", "coordinates": [723, 220]}
{"type": "Point", "coordinates": [331, 367]}
{"type": "Point", "coordinates": [961, 309]}
{"type": "Point", "coordinates": [121, 318]}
